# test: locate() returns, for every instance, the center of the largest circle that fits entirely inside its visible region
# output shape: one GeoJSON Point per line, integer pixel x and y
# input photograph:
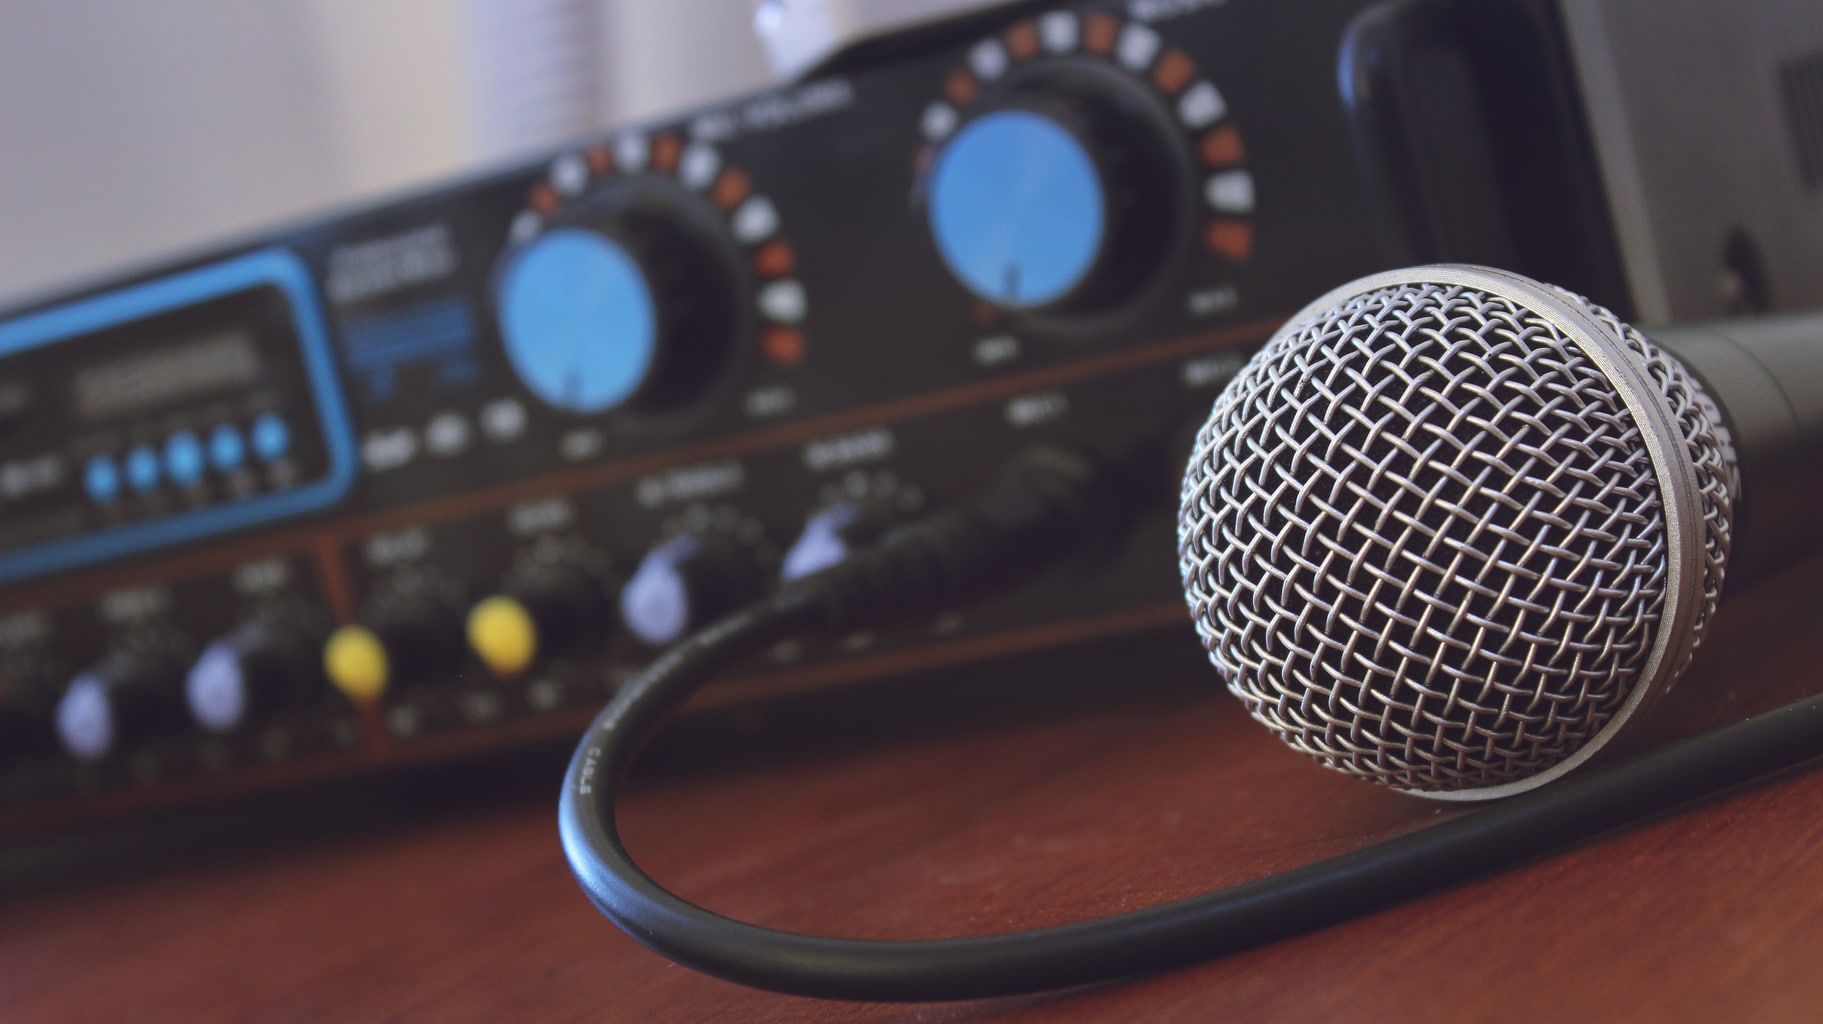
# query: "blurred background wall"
{"type": "Point", "coordinates": [132, 130]}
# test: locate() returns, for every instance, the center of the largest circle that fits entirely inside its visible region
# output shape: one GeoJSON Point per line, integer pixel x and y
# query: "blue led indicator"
{"type": "Point", "coordinates": [101, 478]}
{"type": "Point", "coordinates": [579, 321]}
{"type": "Point", "coordinates": [226, 449]}
{"type": "Point", "coordinates": [142, 469]}
{"type": "Point", "coordinates": [1017, 209]}
{"type": "Point", "coordinates": [184, 458]}
{"type": "Point", "coordinates": [271, 437]}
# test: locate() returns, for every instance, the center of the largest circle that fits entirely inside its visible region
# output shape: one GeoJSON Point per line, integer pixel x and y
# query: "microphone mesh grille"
{"type": "Point", "coordinates": [1423, 541]}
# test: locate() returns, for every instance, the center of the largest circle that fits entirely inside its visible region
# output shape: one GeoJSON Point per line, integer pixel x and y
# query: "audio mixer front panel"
{"type": "Point", "coordinates": [433, 476]}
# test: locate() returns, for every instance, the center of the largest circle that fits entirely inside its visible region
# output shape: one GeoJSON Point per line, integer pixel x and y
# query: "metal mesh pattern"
{"type": "Point", "coordinates": [1718, 476]}
{"type": "Point", "coordinates": [1422, 538]}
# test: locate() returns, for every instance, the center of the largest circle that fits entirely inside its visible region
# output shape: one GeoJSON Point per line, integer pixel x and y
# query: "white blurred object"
{"type": "Point", "coordinates": [799, 35]}
{"type": "Point", "coordinates": [538, 72]}
{"type": "Point", "coordinates": [132, 127]}
{"type": "Point", "coordinates": [134, 131]}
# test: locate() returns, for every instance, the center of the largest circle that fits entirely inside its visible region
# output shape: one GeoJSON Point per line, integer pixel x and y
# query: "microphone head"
{"type": "Point", "coordinates": [1451, 528]}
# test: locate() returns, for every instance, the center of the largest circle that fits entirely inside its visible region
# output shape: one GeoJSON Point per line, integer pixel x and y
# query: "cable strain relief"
{"type": "Point", "coordinates": [1047, 506]}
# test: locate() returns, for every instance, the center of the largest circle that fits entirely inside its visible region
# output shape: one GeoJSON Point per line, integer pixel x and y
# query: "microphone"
{"type": "Point", "coordinates": [1452, 528]}
{"type": "Point", "coordinates": [1448, 530]}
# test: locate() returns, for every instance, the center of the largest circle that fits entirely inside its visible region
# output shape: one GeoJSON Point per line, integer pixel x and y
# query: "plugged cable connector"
{"type": "Point", "coordinates": [1048, 506]}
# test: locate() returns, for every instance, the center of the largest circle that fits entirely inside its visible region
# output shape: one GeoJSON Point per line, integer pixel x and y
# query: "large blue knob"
{"type": "Point", "coordinates": [1018, 209]}
{"type": "Point", "coordinates": [579, 320]}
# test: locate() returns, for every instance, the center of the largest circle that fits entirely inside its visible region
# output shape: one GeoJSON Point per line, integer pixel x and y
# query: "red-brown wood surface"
{"type": "Point", "coordinates": [976, 819]}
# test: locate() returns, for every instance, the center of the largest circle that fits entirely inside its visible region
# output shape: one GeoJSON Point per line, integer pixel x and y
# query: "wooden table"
{"type": "Point", "coordinates": [948, 808]}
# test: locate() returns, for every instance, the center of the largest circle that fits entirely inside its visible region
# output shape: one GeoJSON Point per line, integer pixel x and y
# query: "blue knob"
{"type": "Point", "coordinates": [579, 320]}
{"type": "Point", "coordinates": [1018, 209]}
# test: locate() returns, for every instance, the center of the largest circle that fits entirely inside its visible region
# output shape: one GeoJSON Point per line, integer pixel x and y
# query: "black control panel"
{"type": "Point", "coordinates": [431, 477]}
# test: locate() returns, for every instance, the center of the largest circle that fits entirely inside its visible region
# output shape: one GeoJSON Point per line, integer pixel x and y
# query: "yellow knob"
{"type": "Point", "coordinates": [502, 634]}
{"type": "Point", "coordinates": [355, 661]}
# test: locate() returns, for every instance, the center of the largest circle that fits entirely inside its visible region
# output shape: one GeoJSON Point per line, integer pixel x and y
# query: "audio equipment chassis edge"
{"type": "Point", "coordinates": [429, 477]}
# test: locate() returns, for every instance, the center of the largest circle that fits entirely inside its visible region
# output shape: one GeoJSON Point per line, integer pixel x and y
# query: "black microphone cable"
{"type": "Point", "coordinates": [1046, 506]}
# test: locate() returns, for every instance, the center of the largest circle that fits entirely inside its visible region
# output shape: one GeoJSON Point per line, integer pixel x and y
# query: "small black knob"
{"type": "Point", "coordinates": [693, 290]}
{"type": "Point", "coordinates": [683, 584]}
{"type": "Point", "coordinates": [553, 609]}
{"type": "Point", "coordinates": [26, 714]}
{"type": "Point", "coordinates": [405, 641]}
{"type": "Point", "coordinates": [423, 637]}
{"type": "Point", "coordinates": [126, 697]}
{"type": "Point", "coordinates": [248, 673]}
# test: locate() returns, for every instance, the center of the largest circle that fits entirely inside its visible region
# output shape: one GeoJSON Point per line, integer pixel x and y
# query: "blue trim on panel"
{"type": "Point", "coordinates": [277, 268]}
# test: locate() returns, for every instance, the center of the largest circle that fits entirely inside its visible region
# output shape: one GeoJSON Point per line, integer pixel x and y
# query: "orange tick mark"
{"type": "Point", "coordinates": [1098, 34]}
{"type": "Point", "coordinates": [730, 188]}
{"type": "Point", "coordinates": [775, 259]}
{"type": "Point", "coordinates": [665, 151]}
{"type": "Point", "coordinates": [959, 88]}
{"type": "Point", "coordinates": [783, 345]}
{"type": "Point", "coordinates": [1174, 71]}
{"type": "Point", "coordinates": [1231, 238]}
{"type": "Point", "coordinates": [1222, 147]}
{"type": "Point", "coordinates": [1022, 40]}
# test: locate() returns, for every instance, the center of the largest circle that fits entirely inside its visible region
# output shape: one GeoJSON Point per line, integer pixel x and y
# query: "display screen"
{"type": "Point", "coordinates": [171, 374]}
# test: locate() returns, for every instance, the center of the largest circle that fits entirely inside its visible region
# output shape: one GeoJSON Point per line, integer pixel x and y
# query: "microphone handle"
{"type": "Point", "coordinates": [1767, 375]}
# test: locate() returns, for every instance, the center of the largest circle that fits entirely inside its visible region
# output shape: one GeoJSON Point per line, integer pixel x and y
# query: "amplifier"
{"type": "Point", "coordinates": [430, 477]}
